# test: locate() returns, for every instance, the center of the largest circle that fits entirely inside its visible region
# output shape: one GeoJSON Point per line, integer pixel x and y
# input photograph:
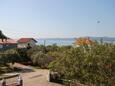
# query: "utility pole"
{"type": "Point", "coordinates": [44, 46]}
{"type": "Point", "coordinates": [44, 43]}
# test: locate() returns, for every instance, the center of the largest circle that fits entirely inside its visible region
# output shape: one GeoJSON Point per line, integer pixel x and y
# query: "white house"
{"type": "Point", "coordinates": [24, 42]}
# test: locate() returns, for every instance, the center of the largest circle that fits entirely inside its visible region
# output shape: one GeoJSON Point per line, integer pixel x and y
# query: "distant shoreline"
{"type": "Point", "coordinates": [70, 41]}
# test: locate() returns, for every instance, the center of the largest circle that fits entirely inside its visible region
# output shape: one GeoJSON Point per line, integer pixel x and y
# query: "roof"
{"type": "Point", "coordinates": [83, 41]}
{"type": "Point", "coordinates": [25, 40]}
{"type": "Point", "coordinates": [88, 41]}
{"type": "Point", "coordinates": [8, 41]}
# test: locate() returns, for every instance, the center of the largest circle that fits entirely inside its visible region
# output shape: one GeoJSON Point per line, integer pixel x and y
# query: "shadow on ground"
{"type": "Point", "coordinates": [23, 70]}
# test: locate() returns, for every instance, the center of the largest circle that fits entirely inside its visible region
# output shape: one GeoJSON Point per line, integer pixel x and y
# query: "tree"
{"type": "Point", "coordinates": [95, 66]}
{"type": "Point", "coordinates": [2, 36]}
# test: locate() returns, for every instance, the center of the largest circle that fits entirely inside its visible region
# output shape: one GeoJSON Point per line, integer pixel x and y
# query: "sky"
{"type": "Point", "coordinates": [57, 18]}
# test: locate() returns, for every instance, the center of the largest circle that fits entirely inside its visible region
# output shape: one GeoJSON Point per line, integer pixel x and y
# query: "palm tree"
{"type": "Point", "coordinates": [2, 36]}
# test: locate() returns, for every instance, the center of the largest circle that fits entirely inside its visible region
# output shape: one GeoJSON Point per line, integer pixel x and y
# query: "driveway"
{"type": "Point", "coordinates": [37, 78]}
{"type": "Point", "coordinates": [33, 77]}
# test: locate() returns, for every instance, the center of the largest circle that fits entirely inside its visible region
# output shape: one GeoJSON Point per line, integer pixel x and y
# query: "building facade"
{"type": "Point", "coordinates": [7, 44]}
{"type": "Point", "coordinates": [25, 42]}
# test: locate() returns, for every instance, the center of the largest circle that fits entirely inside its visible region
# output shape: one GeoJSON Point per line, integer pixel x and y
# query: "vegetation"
{"type": "Point", "coordinates": [10, 56]}
{"type": "Point", "coordinates": [40, 55]}
{"type": "Point", "coordinates": [92, 65]}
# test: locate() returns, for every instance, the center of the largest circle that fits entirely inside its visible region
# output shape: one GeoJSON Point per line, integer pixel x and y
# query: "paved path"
{"type": "Point", "coordinates": [36, 77]}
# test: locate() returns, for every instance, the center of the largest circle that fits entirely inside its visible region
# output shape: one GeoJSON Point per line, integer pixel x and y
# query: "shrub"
{"type": "Point", "coordinates": [40, 59]}
{"type": "Point", "coordinates": [90, 65]}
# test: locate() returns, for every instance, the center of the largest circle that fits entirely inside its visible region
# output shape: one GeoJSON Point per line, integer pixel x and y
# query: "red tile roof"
{"type": "Point", "coordinates": [8, 41]}
{"type": "Point", "coordinates": [83, 41]}
{"type": "Point", "coordinates": [25, 40]}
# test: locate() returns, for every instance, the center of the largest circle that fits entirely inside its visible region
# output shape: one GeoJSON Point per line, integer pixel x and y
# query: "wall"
{"type": "Point", "coordinates": [24, 45]}
{"type": "Point", "coordinates": [8, 46]}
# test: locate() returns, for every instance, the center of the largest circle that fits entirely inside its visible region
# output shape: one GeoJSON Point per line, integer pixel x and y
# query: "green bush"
{"type": "Point", "coordinates": [40, 59]}
{"type": "Point", "coordinates": [89, 64]}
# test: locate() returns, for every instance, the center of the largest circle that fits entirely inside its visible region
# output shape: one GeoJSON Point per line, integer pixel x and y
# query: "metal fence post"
{"type": "Point", "coordinates": [20, 80]}
{"type": "Point", "coordinates": [3, 82]}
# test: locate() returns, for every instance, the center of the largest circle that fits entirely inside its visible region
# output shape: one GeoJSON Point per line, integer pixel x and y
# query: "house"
{"type": "Point", "coordinates": [83, 41]}
{"type": "Point", "coordinates": [25, 42]}
{"type": "Point", "coordinates": [7, 44]}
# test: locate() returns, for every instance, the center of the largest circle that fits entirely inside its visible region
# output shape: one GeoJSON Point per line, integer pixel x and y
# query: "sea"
{"type": "Point", "coordinates": [57, 41]}
{"type": "Point", "coordinates": [70, 41]}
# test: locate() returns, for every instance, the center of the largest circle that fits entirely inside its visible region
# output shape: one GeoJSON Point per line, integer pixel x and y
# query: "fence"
{"type": "Point", "coordinates": [18, 82]}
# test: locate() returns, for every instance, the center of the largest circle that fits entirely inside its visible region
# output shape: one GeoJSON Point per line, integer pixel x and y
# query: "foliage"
{"type": "Point", "coordinates": [23, 55]}
{"type": "Point", "coordinates": [12, 56]}
{"type": "Point", "coordinates": [94, 66]}
{"type": "Point", "coordinates": [91, 65]}
{"type": "Point", "coordinates": [41, 59]}
{"type": "Point", "coordinates": [43, 55]}
{"type": "Point", "coordinates": [39, 55]}
{"type": "Point", "coordinates": [8, 56]}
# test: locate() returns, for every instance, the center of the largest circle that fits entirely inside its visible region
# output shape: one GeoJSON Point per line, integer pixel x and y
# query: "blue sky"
{"type": "Point", "coordinates": [57, 18]}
